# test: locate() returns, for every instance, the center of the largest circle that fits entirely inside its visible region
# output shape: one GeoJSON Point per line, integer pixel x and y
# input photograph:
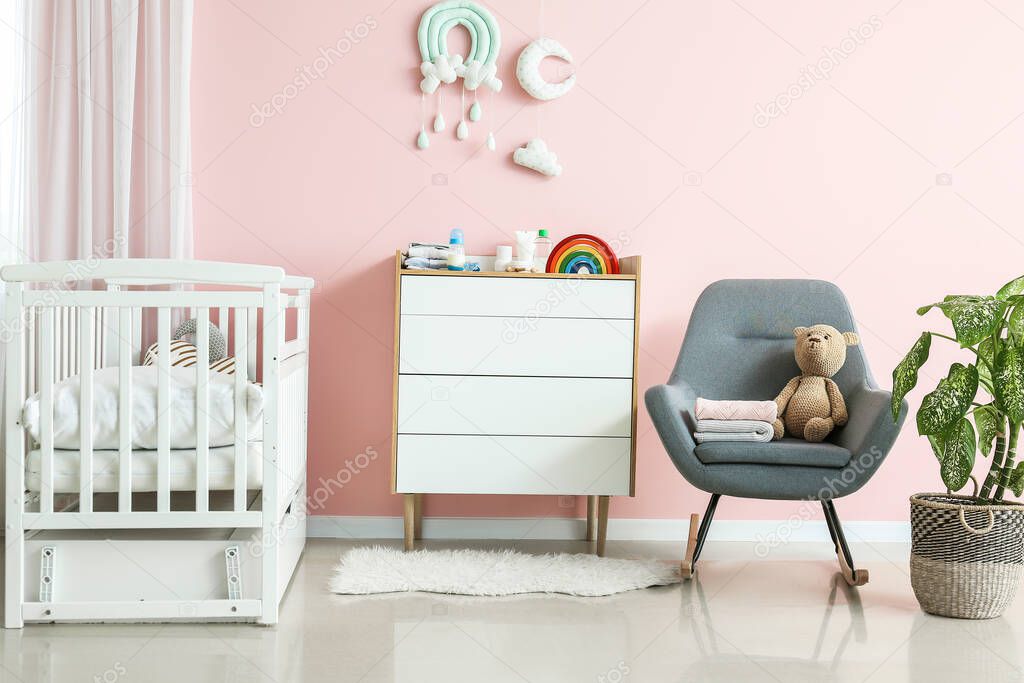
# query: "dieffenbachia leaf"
{"type": "Point", "coordinates": [949, 401]}
{"type": "Point", "coordinates": [904, 377]}
{"type": "Point", "coordinates": [1011, 288]}
{"type": "Point", "coordinates": [1015, 325]}
{"type": "Point", "coordinates": [957, 459]}
{"type": "Point", "coordinates": [1008, 380]}
{"type": "Point", "coordinates": [973, 317]}
{"type": "Point", "coordinates": [988, 421]}
{"type": "Point", "coordinates": [1017, 479]}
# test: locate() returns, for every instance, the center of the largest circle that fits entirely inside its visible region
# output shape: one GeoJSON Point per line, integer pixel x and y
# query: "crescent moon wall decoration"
{"type": "Point", "coordinates": [479, 68]}
{"type": "Point", "coordinates": [528, 69]}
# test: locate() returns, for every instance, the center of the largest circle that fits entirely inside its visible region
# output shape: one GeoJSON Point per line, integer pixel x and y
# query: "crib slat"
{"type": "Point", "coordinates": [163, 407]}
{"type": "Point", "coordinates": [251, 343]}
{"type": "Point", "coordinates": [124, 412]}
{"type": "Point", "coordinates": [137, 349]}
{"type": "Point", "coordinates": [66, 344]}
{"type": "Point", "coordinates": [223, 324]}
{"type": "Point", "coordinates": [241, 427]}
{"type": "Point", "coordinates": [57, 345]}
{"type": "Point", "coordinates": [46, 354]}
{"type": "Point", "coordinates": [86, 364]}
{"type": "Point", "coordinates": [111, 329]}
{"type": "Point", "coordinates": [73, 317]}
{"type": "Point", "coordinates": [32, 339]}
{"type": "Point", "coordinates": [100, 320]}
{"type": "Point", "coordinates": [202, 409]}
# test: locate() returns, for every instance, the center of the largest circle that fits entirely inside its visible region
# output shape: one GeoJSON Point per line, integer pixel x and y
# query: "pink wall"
{"type": "Point", "coordinates": [888, 177]}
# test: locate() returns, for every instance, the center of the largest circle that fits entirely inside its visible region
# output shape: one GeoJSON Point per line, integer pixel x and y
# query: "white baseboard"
{"type": "Point", "coordinates": [562, 529]}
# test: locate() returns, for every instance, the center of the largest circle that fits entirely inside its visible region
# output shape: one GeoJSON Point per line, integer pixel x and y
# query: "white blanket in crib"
{"type": "Point", "coordinates": [181, 413]}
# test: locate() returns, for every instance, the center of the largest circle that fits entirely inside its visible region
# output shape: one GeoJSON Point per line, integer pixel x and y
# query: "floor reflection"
{"type": "Point", "coordinates": [824, 655]}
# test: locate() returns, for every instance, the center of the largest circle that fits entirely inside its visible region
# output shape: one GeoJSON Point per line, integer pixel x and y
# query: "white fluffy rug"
{"type": "Point", "coordinates": [493, 572]}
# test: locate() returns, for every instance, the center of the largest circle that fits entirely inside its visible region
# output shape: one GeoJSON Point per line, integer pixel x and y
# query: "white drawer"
{"type": "Point", "coordinates": [513, 464]}
{"type": "Point", "coordinates": [538, 406]}
{"type": "Point", "coordinates": [472, 345]}
{"type": "Point", "coordinates": [531, 297]}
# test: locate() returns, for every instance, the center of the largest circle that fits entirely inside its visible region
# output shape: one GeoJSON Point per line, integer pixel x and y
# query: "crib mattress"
{"type": "Point", "coordinates": [105, 467]}
{"type": "Point", "coordinates": [181, 411]}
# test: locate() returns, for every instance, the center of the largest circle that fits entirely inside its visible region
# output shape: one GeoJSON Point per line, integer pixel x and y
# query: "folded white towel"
{"type": "Point", "coordinates": [431, 251]}
{"type": "Point", "coordinates": [420, 263]}
{"type": "Point", "coordinates": [733, 430]}
{"type": "Point", "coordinates": [762, 411]}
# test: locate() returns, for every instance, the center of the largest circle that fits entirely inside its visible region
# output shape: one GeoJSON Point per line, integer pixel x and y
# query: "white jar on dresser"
{"type": "Point", "coordinates": [515, 383]}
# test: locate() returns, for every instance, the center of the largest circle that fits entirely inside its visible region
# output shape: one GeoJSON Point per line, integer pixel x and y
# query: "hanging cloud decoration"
{"type": "Point", "coordinates": [536, 156]}
{"type": "Point", "coordinates": [443, 69]}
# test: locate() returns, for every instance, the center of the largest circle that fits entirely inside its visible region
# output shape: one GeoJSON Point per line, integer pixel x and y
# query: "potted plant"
{"type": "Point", "coordinates": [967, 555]}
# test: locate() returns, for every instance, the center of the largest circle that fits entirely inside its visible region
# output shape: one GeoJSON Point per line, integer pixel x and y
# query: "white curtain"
{"type": "Point", "coordinates": [108, 143]}
{"type": "Point", "coordinates": [94, 131]}
{"type": "Point", "coordinates": [14, 94]}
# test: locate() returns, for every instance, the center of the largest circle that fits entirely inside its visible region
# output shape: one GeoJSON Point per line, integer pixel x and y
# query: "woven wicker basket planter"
{"type": "Point", "coordinates": [966, 559]}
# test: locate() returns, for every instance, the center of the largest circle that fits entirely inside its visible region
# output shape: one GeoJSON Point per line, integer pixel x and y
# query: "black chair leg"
{"type": "Point", "coordinates": [695, 542]}
{"type": "Point", "coordinates": [831, 527]}
{"type": "Point", "coordinates": [854, 577]}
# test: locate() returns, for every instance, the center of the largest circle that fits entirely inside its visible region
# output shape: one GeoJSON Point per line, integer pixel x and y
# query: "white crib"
{"type": "Point", "coordinates": [166, 551]}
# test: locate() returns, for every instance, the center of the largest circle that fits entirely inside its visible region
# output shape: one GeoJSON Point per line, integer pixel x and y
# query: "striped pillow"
{"type": "Point", "coordinates": [183, 355]}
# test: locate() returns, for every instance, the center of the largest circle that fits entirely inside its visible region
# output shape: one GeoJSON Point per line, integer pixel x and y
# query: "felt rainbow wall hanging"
{"type": "Point", "coordinates": [583, 254]}
{"type": "Point", "coordinates": [437, 66]}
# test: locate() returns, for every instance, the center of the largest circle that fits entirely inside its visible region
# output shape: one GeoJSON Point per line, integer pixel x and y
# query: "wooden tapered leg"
{"type": "Point", "coordinates": [591, 518]}
{"type": "Point", "coordinates": [418, 525]}
{"type": "Point", "coordinates": [410, 520]}
{"type": "Point", "coordinates": [602, 523]}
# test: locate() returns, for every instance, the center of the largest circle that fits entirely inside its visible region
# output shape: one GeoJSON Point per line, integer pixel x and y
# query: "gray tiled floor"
{"type": "Point", "coordinates": [783, 618]}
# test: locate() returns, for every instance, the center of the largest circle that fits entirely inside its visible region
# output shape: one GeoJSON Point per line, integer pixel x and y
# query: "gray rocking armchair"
{"type": "Point", "coordinates": [739, 345]}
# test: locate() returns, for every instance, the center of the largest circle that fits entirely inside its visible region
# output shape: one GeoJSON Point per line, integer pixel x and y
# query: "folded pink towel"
{"type": "Point", "coordinates": [764, 411]}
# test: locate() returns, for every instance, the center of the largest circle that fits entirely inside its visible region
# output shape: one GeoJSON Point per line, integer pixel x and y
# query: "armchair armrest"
{"type": "Point", "coordinates": [871, 432]}
{"type": "Point", "coordinates": [671, 409]}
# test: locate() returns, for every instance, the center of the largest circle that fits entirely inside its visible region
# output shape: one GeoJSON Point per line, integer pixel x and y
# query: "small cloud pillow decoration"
{"type": "Point", "coordinates": [536, 156]}
{"type": "Point", "coordinates": [811, 405]}
{"type": "Point", "coordinates": [443, 69]}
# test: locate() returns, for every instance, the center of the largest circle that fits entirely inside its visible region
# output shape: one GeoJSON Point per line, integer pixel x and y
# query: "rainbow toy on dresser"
{"type": "Point", "coordinates": [583, 254]}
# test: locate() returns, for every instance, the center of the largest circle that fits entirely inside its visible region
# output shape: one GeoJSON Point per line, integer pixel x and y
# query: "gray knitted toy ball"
{"type": "Point", "coordinates": [218, 347]}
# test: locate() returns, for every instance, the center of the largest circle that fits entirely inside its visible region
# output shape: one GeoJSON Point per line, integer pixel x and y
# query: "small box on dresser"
{"type": "Point", "coordinates": [515, 383]}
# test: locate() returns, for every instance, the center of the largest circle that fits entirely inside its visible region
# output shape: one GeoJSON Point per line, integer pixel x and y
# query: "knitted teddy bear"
{"type": "Point", "coordinates": [811, 405]}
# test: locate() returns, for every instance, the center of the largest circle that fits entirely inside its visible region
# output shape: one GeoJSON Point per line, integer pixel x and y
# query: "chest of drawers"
{"type": "Point", "coordinates": [515, 384]}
